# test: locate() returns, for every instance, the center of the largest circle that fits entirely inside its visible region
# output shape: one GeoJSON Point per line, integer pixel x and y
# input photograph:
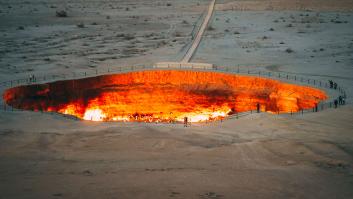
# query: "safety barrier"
{"type": "Point", "coordinates": [241, 70]}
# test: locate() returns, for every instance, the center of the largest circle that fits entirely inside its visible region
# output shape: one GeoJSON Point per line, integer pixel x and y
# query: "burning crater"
{"type": "Point", "coordinates": [163, 96]}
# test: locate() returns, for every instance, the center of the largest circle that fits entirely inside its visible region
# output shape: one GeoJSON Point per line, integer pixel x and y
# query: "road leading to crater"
{"type": "Point", "coordinates": [198, 37]}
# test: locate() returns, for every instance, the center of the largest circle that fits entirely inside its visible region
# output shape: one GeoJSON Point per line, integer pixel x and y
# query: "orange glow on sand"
{"type": "Point", "coordinates": [163, 96]}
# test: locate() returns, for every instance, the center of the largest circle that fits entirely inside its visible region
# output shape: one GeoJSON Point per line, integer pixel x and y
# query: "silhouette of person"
{"type": "Point", "coordinates": [185, 121]}
{"type": "Point", "coordinates": [316, 107]}
{"type": "Point", "coordinates": [258, 107]}
{"type": "Point", "coordinates": [336, 103]}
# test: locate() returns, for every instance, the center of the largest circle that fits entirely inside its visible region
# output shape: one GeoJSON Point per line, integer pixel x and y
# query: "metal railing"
{"type": "Point", "coordinates": [242, 70]}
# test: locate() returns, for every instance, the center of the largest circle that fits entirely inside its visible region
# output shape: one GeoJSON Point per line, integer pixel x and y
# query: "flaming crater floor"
{"type": "Point", "coordinates": [164, 96]}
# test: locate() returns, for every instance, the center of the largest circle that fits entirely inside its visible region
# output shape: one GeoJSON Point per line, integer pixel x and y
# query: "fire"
{"type": "Point", "coordinates": [94, 115]}
{"type": "Point", "coordinates": [163, 96]}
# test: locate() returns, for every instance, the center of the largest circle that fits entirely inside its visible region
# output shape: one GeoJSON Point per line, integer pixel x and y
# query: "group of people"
{"type": "Point", "coordinates": [32, 78]}
{"type": "Point", "coordinates": [333, 84]}
{"type": "Point", "coordinates": [341, 100]}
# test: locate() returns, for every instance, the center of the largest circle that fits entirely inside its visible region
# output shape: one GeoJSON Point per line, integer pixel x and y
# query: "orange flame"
{"type": "Point", "coordinates": [163, 96]}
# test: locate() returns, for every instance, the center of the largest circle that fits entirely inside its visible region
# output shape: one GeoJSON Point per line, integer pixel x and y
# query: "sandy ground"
{"type": "Point", "coordinates": [258, 156]}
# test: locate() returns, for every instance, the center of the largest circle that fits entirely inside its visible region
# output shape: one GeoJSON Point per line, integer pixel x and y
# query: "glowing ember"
{"type": "Point", "coordinates": [163, 96]}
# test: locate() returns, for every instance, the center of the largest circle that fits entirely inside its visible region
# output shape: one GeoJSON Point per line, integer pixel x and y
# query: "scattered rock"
{"type": "Point", "coordinates": [87, 173]}
{"type": "Point", "coordinates": [211, 195]}
{"type": "Point", "coordinates": [290, 162]}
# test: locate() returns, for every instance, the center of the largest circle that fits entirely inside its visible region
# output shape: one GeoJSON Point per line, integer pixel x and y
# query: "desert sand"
{"type": "Point", "coordinates": [257, 156]}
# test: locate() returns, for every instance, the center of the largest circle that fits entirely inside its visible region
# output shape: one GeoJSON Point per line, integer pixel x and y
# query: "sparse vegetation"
{"type": "Point", "coordinates": [210, 28]}
{"type": "Point", "coordinates": [81, 25]}
{"type": "Point", "coordinates": [289, 50]}
{"type": "Point", "coordinates": [61, 13]}
{"type": "Point", "coordinates": [129, 37]}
